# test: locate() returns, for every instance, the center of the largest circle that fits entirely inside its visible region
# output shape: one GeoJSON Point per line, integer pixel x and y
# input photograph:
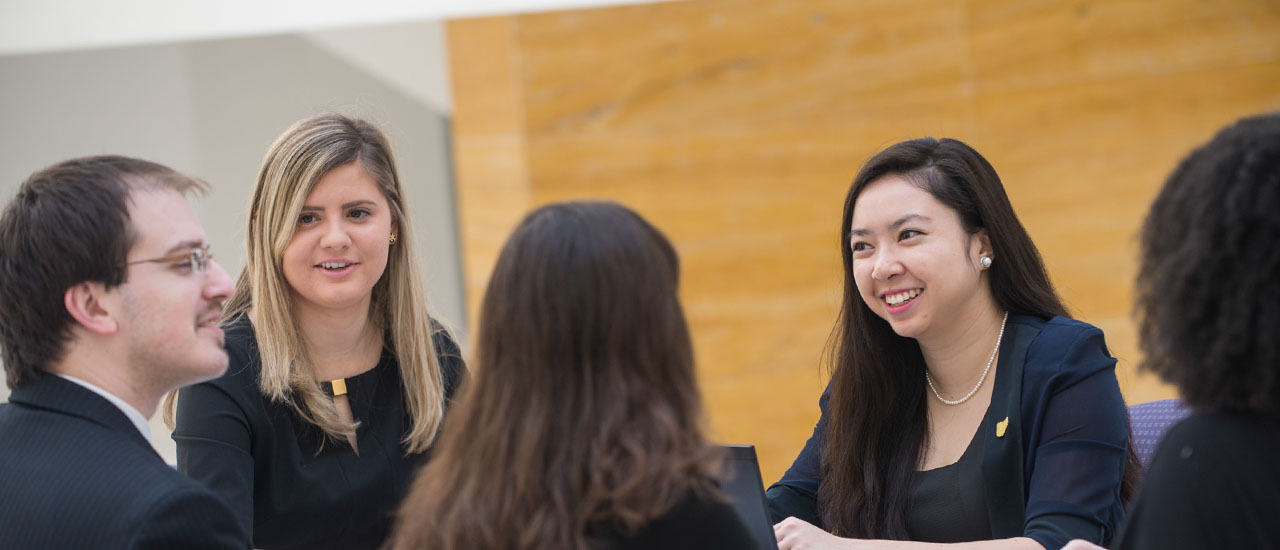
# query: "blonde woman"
{"type": "Point", "coordinates": [338, 379]}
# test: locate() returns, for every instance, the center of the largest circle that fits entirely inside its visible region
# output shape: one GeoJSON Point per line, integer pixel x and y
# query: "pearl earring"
{"type": "Point", "coordinates": [393, 238]}
{"type": "Point", "coordinates": [985, 261]}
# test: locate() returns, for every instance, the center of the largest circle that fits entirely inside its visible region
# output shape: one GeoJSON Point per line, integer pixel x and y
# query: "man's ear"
{"type": "Point", "coordinates": [84, 302]}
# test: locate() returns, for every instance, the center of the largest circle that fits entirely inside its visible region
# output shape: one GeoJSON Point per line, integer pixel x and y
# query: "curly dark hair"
{"type": "Point", "coordinates": [1208, 291]}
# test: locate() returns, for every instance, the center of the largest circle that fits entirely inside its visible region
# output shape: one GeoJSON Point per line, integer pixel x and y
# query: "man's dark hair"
{"type": "Point", "coordinates": [68, 224]}
{"type": "Point", "coordinates": [1207, 291]}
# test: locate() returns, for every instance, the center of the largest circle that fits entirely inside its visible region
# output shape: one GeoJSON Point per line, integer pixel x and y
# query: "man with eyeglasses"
{"type": "Point", "coordinates": [108, 300]}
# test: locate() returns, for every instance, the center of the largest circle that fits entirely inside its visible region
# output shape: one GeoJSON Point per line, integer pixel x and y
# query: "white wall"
{"type": "Point", "coordinates": [33, 26]}
{"type": "Point", "coordinates": [409, 57]}
{"type": "Point", "coordinates": [210, 109]}
{"type": "Point", "coordinates": [134, 101]}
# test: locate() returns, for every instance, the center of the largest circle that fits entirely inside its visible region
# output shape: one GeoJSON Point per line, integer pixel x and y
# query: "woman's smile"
{"type": "Point", "coordinates": [899, 301]}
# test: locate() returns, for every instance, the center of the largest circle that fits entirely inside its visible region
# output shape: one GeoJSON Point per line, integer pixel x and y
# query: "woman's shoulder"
{"type": "Point", "coordinates": [1211, 484]}
{"type": "Point", "coordinates": [1220, 452]}
{"type": "Point", "coordinates": [444, 341]}
{"type": "Point", "coordinates": [697, 520]}
{"type": "Point", "coordinates": [235, 390]}
{"type": "Point", "coordinates": [449, 356]}
{"type": "Point", "coordinates": [1226, 433]}
{"type": "Point", "coordinates": [1064, 346]}
{"type": "Point", "coordinates": [1056, 327]}
{"type": "Point", "coordinates": [707, 521]}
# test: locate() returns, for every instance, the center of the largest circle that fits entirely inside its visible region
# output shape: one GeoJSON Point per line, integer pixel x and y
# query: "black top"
{"type": "Point", "coordinates": [694, 523]}
{"type": "Point", "coordinates": [76, 473]}
{"type": "Point", "coordinates": [289, 485]}
{"type": "Point", "coordinates": [948, 504]}
{"type": "Point", "coordinates": [1214, 483]}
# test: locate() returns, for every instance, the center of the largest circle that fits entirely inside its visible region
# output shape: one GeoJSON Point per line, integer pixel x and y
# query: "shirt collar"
{"type": "Point", "coordinates": [139, 421]}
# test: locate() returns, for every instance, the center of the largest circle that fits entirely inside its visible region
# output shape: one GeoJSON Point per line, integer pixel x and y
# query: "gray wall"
{"type": "Point", "coordinates": [210, 109]}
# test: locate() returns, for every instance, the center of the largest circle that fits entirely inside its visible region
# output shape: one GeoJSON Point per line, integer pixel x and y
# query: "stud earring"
{"type": "Point", "coordinates": [985, 261]}
{"type": "Point", "coordinates": [393, 238]}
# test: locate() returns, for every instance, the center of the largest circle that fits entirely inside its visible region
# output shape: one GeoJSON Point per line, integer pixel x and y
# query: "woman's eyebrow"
{"type": "Point", "coordinates": [345, 205]}
{"type": "Point", "coordinates": [861, 232]}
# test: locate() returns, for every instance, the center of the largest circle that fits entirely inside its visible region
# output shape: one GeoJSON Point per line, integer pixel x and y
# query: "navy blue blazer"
{"type": "Point", "coordinates": [1055, 474]}
{"type": "Point", "coordinates": [75, 473]}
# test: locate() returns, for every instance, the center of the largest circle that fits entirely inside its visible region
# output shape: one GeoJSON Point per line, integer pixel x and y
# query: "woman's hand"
{"type": "Point", "coordinates": [798, 534]}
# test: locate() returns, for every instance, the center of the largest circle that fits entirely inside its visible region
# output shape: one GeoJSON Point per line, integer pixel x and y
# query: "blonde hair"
{"type": "Point", "coordinates": [302, 155]}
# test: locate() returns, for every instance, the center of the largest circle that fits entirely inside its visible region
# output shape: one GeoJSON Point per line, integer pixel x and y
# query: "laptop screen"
{"type": "Point", "coordinates": [741, 482]}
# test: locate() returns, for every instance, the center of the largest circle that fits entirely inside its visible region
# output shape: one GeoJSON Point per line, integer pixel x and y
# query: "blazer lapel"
{"type": "Point", "coordinates": [1002, 451]}
{"type": "Point", "coordinates": [54, 393]}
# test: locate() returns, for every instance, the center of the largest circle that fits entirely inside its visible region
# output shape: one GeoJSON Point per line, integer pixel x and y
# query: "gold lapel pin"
{"type": "Point", "coordinates": [1001, 426]}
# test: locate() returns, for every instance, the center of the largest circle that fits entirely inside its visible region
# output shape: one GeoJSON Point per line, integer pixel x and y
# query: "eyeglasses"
{"type": "Point", "coordinates": [196, 258]}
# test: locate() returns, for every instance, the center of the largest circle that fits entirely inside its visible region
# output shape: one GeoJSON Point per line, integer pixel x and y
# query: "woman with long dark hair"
{"type": "Point", "coordinates": [964, 405]}
{"type": "Point", "coordinates": [582, 425]}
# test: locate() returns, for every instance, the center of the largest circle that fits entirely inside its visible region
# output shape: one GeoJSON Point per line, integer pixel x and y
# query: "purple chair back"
{"type": "Point", "coordinates": [1150, 421]}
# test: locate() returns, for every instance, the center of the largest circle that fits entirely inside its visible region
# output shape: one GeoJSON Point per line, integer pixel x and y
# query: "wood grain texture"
{"type": "Point", "coordinates": [492, 174]}
{"type": "Point", "coordinates": [736, 127]}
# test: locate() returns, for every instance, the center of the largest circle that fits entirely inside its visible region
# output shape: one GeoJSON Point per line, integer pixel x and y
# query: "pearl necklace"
{"type": "Point", "coordinates": [982, 378]}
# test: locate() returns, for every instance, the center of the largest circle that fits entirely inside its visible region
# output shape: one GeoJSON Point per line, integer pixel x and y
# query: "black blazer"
{"type": "Point", "coordinates": [75, 473]}
{"type": "Point", "coordinates": [1053, 472]}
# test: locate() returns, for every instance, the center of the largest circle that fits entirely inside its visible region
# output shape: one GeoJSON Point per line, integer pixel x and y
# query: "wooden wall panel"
{"type": "Point", "coordinates": [736, 127]}
{"type": "Point", "coordinates": [491, 170]}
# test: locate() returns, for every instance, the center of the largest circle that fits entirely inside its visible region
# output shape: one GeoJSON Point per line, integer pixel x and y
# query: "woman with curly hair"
{"type": "Point", "coordinates": [1208, 308]}
{"type": "Point", "coordinates": [965, 406]}
{"type": "Point", "coordinates": [582, 426]}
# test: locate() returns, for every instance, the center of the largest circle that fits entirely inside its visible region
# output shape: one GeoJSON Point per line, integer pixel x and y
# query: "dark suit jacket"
{"type": "Point", "coordinates": [75, 473]}
{"type": "Point", "coordinates": [1054, 474]}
